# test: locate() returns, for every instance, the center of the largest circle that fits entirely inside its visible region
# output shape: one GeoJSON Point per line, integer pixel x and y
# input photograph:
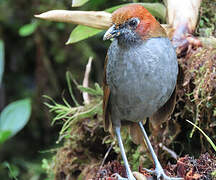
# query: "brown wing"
{"type": "Point", "coordinates": [106, 104]}
{"type": "Point", "coordinates": [166, 110]}
{"type": "Point", "coordinates": [163, 114]}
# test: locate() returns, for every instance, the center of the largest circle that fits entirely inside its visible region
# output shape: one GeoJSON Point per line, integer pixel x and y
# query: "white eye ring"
{"type": "Point", "coordinates": [133, 22]}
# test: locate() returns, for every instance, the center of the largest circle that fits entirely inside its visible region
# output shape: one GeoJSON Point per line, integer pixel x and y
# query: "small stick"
{"type": "Point", "coordinates": [107, 153]}
{"type": "Point", "coordinates": [86, 80]}
{"type": "Point", "coordinates": [172, 153]}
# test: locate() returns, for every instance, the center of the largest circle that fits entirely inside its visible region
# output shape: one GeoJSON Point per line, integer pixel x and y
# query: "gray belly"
{"type": "Point", "coordinates": [141, 79]}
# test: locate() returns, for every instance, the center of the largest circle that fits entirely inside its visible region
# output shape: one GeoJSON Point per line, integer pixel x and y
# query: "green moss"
{"type": "Point", "coordinates": [207, 22]}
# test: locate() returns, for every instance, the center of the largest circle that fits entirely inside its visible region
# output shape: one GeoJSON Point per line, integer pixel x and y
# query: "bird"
{"type": "Point", "coordinates": [140, 76]}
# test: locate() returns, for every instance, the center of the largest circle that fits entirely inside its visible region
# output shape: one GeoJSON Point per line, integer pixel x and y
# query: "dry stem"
{"type": "Point", "coordinates": [86, 80]}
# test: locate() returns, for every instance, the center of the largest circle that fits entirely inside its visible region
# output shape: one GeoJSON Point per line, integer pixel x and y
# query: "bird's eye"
{"type": "Point", "coordinates": [133, 23]}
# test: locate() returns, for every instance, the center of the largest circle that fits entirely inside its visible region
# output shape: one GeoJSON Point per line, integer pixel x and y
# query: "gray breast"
{"type": "Point", "coordinates": [141, 78]}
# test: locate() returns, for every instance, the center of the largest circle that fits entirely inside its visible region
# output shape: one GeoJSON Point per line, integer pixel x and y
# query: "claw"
{"type": "Point", "coordinates": [183, 40]}
{"type": "Point", "coordinates": [160, 174]}
{"type": "Point", "coordinates": [186, 43]}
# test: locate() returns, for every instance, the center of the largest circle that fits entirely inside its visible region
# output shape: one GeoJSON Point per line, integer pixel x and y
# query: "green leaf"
{"type": "Point", "coordinates": [213, 174]}
{"type": "Point", "coordinates": [82, 32]}
{"type": "Point", "coordinates": [1, 60]}
{"type": "Point", "coordinates": [156, 9]}
{"type": "Point", "coordinates": [13, 170]}
{"type": "Point", "coordinates": [98, 89]}
{"type": "Point", "coordinates": [90, 90]}
{"type": "Point", "coordinates": [78, 3]}
{"type": "Point", "coordinates": [69, 78]}
{"type": "Point", "coordinates": [28, 29]}
{"type": "Point", "coordinates": [4, 135]}
{"type": "Point", "coordinates": [15, 116]}
{"type": "Point", "coordinates": [204, 134]}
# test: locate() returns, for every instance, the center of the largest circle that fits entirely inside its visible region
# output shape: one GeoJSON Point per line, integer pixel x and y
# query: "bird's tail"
{"type": "Point", "coordinates": [137, 135]}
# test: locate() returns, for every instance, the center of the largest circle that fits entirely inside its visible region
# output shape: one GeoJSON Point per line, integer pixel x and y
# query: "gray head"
{"type": "Point", "coordinates": [133, 24]}
{"type": "Point", "coordinates": [124, 33]}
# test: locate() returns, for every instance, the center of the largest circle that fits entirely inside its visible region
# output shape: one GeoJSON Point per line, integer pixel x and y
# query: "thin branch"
{"type": "Point", "coordinates": [86, 80]}
{"type": "Point", "coordinates": [106, 155]}
{"type": "Point", "coordinates": [172, 153]}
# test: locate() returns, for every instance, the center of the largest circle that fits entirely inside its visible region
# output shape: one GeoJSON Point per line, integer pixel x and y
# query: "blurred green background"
{"type": "Point", "coordinates": [36, 59]}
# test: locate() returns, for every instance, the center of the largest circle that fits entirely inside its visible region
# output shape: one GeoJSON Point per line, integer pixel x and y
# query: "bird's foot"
{"type": "Point", "coordinates": [183, 40]}
{"type": "Point", "coordinates": [185, 44]}
{"type": "Point", "coordinates": [160, 174]}
{"type": "Point", "coordinates": [130, 177]}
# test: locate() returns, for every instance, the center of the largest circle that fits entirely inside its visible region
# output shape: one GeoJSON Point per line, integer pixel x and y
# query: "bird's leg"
{"type": "Point", "coordinates": [158, 172]}
{"type": "Point", "coordinates": [128, 170]}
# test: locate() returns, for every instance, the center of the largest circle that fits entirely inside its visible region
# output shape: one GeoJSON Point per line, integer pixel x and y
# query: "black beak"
{"type": "Point", "coordinates": [112, 32]}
